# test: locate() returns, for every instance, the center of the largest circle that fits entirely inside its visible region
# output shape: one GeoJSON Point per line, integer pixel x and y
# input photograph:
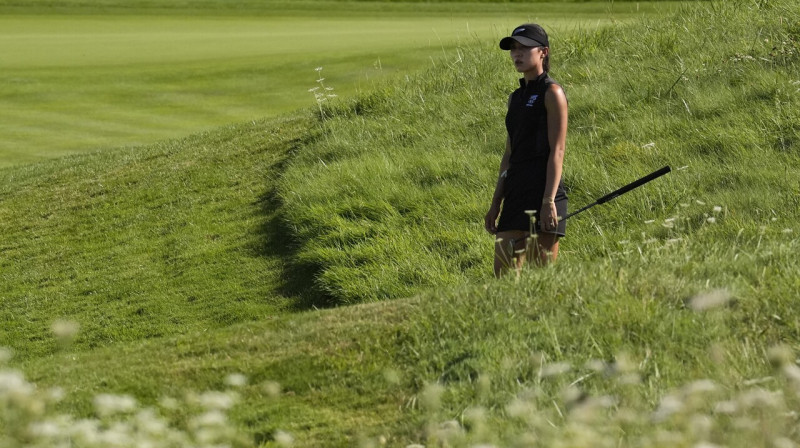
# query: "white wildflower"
{"type": "Point", "coordinates": [431, 396]}
{"type": "Point", "coordinates": [711, 220]}
{"type": "Point", "coordinates": [760, 398]}
{"type": "Point", "coordinates": [148, 422]}
{"type": "Point", "coordinates": [108, 404]}
{"type": "Point", "coordinates": [283, 438]}
{"type": "Point", "coordinates": [169, 403]}
{"type": "Point", "coordinates": [118, 435]}
{"type": "Point", "coordinates": [726, 407]}
{"type": "Point", "coordinates": [216, 400]}
{"type": "Point", "coordinates": [630, 378]}
{"type": "Point", "coordinates": [236, 380]}
{"type": "Point", "coordinates": [55, 394]}
{"type": "Point", "coordinates": [717, 209]}
{"type": "Point", "coordinates": [711, 299]}
{"type": "Point", "coordinates": [783, 442]}
{"type": "Point", "coordinates": [5, 355]}
{"type": "Point", "coordinates": [271, 388]}
{"type": "Point", "coordinates": [554, 369]}
{"type": "Point", "coordinates": [211, 418]}
{"type": "Point", "coordinates": [792, 372]}
{"type": "Point", "coordinates": [518, 408]}
{"type": "Point", "coordinates": [65, 330]}
{"type": "Point", "coordinates": [669, 405]}
{"type": "Point", "coordinates": [47, 429]}
{"type": "Point", "coordinates": [596, 365]}
{"type": "Point", "coordinates": [86, 431]}
{"type": "Point", "coordinates": [13, 383]}
{"type": "Point", "coordinates": [701, 386]}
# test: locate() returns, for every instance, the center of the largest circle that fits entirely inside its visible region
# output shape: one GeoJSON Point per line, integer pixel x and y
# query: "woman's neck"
{"type": "Point", "coordinates": [533, 74]}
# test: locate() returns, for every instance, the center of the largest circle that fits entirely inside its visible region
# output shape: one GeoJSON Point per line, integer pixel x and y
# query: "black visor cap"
{"type": "Point", "coordinates": [530, 35]}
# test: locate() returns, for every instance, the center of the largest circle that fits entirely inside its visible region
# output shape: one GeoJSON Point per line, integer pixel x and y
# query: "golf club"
{"type": "Point", "coordinates": [621, 191]}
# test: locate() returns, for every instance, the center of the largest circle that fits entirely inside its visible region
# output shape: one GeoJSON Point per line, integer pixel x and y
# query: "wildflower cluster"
{"type": "Point", "coordinates": [701, 413]}
{"type": "Point", "coordinates": [28, 418]}
{"type": "Point", "coordinates": [322, 93]}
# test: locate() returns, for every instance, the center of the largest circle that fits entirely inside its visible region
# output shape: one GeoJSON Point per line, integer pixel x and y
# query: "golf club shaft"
{"type": "Point", "coordinates": [623, 190]}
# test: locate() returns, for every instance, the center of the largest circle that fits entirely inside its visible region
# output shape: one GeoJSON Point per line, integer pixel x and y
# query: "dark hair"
{"type": "Point", "coordinates": [540, 29]}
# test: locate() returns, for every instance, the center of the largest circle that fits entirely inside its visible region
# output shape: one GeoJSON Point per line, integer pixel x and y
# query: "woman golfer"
{"type": "Point", "coordinates": [529, 186]}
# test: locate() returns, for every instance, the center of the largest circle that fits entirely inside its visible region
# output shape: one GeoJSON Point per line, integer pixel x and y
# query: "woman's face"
{"type": "Point", "coordinates": [527, 59]}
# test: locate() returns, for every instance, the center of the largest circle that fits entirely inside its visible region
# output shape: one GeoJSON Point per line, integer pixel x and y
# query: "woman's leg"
{"type": "Point", "coordinates": [544, 249]}
{"type": "Point", "coordinates": [509, 251]}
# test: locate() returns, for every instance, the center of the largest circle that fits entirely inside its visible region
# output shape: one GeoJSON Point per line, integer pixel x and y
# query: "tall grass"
{"type": "Point", "coordinates": [387, 201]}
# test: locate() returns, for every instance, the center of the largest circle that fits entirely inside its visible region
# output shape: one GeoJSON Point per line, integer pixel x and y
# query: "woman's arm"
{"type": "Point", "coordinates": [490, 221]}
{"type": "Point", "coordinates": [555, 101]}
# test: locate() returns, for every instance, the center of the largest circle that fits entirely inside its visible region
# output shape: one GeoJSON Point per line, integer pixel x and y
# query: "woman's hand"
{"type": "Point", "coordinates": [548, 219]}
{"type": "Point", "coordinates": [490, 220]}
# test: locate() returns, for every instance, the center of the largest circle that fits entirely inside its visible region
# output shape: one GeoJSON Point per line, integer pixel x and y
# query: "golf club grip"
{"type": "Point", "coordinates": [634, 184]}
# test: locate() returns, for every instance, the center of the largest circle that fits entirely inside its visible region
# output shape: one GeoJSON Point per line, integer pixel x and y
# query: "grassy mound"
{"type": "Point", "coordinates": [389, 200]}
{"type": "Point", "coordinates": [146, 242]}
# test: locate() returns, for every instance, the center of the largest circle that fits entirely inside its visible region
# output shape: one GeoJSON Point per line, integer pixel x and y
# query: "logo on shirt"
{"type": "Point", "coordinates": [532, 100]}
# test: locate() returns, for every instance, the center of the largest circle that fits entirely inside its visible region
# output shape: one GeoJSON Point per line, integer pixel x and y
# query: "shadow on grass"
{"type": "Point", "coordinates": [297, 279]}
{"type": "Point", "coordinates": [276, 240]}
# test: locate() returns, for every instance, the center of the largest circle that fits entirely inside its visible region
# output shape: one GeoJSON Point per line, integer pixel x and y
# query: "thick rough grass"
{"type": "Point", "coordinates": [388, 199]}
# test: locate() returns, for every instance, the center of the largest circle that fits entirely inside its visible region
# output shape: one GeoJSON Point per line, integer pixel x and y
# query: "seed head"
{"type": "Point", "coordinates": [236, 380]}
{"type": "Point", "coordinates": [108, 404]}
{"type": "Point", "coordinates": [283, 438]}
{"type": "Point", "coordinates": [65, 330]}
{"type": "Point", "coordinates": [5, 355]}
{"type": "Point", "coordinates": [711, 299]}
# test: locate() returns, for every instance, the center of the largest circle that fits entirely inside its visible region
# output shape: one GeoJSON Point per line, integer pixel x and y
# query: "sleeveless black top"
{"type": "Point", "coordinates": [526, 123]}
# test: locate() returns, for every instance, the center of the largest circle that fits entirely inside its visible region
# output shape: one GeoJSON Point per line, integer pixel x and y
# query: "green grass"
{"type": "Point", "coordinates": [81, 76]}
{"type": "Point", "coordinates": [380, 196]}
{"type": "Point", "coordinates": [147, 242]}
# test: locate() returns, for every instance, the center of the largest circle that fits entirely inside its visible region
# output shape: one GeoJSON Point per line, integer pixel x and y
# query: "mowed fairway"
{"type": "Point", "coordinates": [78, 80]}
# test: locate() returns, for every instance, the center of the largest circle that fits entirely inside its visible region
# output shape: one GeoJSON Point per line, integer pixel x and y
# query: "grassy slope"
{"type": "Point", "coordinates": [393, 203]}
{"type": "Point", "coordinates": [147, 242]}
{"type": "Point", "coordinates": [620, 286]}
